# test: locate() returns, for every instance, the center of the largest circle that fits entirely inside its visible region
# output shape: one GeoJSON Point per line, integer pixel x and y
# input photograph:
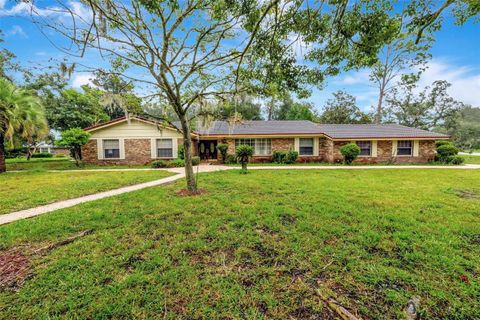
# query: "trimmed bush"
{"type": "Point", "coordinates": [279, 156]}
{"type": "Point", "coordinates": [457, 160]}
{"type": "Point", "coordinates": [195, 161]}
{"type": "Point", "coordinates": [292, 156]}
{"type": "Point", "coordinates": [223, 148]}
{"type": "Point", "coordinates": [15, 153]}
{"type": "Point", "coordinates": [350, 152]}
{"type": "Point", "coordinates": [176, 163]}
{"type": "Point", "coordinates": [445, 152]}
{"type": "Point", "coordinates": [42, 155]}
{"type": "Point", "coordinates": [243, 153]}
{"type": "Point", "coordinates": [159, 164]}
{"type": "Point", "coordinates": [441, 143]}
{"type": "Point", "coordinates": [230, 159]}
{"type": "Point", "coordinates": [181, 151]}
{"type": "Point", "coordinates": [285, 157]}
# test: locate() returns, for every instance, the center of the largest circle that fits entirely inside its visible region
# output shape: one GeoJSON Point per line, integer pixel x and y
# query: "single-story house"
{"type": "Point", "coordinates": [140, 140]}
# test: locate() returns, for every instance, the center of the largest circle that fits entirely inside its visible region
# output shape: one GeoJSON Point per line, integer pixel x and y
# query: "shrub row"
{"type": "Point", "coordinates": [42, 155]}
{"type": "Point", "coordinates": [173, 163]}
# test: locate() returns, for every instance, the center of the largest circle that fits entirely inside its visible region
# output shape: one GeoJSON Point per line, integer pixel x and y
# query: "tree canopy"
{"type": "Point", "coordinates": [343, 109]}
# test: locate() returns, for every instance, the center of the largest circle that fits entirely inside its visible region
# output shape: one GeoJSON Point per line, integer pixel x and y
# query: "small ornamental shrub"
{"type": "Point", "coordinates": [457, 160]}
{"type": "Point", "coordinates": [42, 155]}
{"type": "Point", "coordinates": [292, 156]}
{"type": "Point", "coordinates": [195, 161]}
{"type": "Point", "coordinates": [223, 148]}
{"type": "Point", "coordinates": [159, 164]}
{"type": "Point", "coordinates": [176, 163]}
{"type": "Point", "coordinates": [230, 159]}
{"type": "Point", "coordinates": [243, 153]}
{"type": "Point", "coordinates": [181, 151]}
{"type": "Point", "coordinates": [285, 157]}
{"type": "Point", "coordinates": [350, 152]}
{"type": "Point", "coordinates": [279, 156]}
{"type": "Point", "coordinates": [441, 143]}
{"type": "Point", "coordinates": [446, 150]}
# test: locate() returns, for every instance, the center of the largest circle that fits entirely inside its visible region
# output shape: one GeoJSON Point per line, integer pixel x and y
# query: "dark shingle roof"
{"type": "Point", "coordinates": [346, 131]}
{"type": "Point", "coordinates": [260, 127]}
{"type": "Point", "coordinates": [334, 131]}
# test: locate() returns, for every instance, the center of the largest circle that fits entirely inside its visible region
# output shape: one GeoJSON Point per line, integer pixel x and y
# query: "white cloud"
{"type": "Point", "coordinates": [2, 3]}
{"type": "Point", "coordinates": [17, 31]}
{"type": "Point", "coordinates": [465, 80]}
{"type": "Point", "coordinates": [358, 77]}
{"type": "Point", "coordinates": [79, 80]}
{"type": "Point", "coordinates": [29, 8]}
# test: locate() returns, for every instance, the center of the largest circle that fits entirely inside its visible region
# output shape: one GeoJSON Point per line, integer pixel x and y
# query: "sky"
{"type": "Point", "coordinates": [456, 58]}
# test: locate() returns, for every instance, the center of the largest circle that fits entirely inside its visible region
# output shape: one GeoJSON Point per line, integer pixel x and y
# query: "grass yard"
{"type": "Point", "coordinates": [259, 246]}
{"type": "Point", "coordinates": [24, 190]}
{"type": "Point", "coordinates": [42, 164]}
{"type": "Point", "coordinates": [472, 159]}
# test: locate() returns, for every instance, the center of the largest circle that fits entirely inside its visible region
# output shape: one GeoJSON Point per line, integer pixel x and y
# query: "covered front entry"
{"type": "Point", "coordinates": [207, 149]}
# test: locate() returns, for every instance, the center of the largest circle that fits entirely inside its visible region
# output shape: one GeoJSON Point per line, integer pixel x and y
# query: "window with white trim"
{"type": "Point", "coordinates": [305, 147]}
{"type": "Point", "coordinates": [404, 148]}
{"type": "Point", "coordinates": [262, 147]}
{"type": "Point", "coordinates": [111, 148]}
{"type": "Point", "coordinates": [164, 148]}
{"type": "Point", "coordinates": [365, 148]}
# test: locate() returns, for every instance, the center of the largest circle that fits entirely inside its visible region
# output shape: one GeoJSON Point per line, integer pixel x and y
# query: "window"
{"type": "Point", "coordinates": [306, 146]}
{"type": "Point", "coordinates": [111, 149]}
{"type": "Point", "coordinates": [164, 148]}
{"type": "Point", "coordinates": [365, 148]}
{"type": "Point", "coordinates": [263, 147]}
{"type": "Point", "coordinates": [404, 148]}
{"type": "Point", "coordinates": [44, 150]}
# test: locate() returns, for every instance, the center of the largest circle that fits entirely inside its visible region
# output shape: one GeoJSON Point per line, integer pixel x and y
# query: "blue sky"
{"type": "Point", "coordinates": [456, 58]}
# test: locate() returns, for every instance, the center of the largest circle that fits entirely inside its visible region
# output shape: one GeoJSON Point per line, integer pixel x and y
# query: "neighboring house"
{"type": "Point", "coordinates": [44, 147]}
{"type": "Point", "coordinates": [140, 140]}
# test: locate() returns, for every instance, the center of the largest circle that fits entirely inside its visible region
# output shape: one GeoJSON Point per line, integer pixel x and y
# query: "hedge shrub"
{"type": "Point", "coordinates": [350, 152]}
{"type": "Point", "coordinates": [42, 155]}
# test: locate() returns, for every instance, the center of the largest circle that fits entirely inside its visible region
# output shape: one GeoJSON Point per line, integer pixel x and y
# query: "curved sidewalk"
{"type": "Point", "coordinates": [32, 212]}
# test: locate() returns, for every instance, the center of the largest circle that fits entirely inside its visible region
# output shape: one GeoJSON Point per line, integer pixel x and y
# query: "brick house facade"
{"type": "Point", "coordinates": [140, 141]}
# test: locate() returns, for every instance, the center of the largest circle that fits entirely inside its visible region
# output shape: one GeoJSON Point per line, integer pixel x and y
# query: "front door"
{"type": "Point", "coordinates": [208, 149]}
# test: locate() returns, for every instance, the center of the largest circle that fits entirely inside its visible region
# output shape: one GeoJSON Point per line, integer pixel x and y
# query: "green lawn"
{"type": "Point", "coordinates": [41, 164]}
{"type": "Point", "coordinates": [472, 159]}
{"type": "Point", "coordinates": [259, 246]}
{"type": "Point", "coordinates": [24, 190]}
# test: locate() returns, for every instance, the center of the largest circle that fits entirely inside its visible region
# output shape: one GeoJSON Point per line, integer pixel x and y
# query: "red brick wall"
{"type": "Point", "coordinates": [384, 153]}
{"type": "Point", "coordinates": [137, 151]}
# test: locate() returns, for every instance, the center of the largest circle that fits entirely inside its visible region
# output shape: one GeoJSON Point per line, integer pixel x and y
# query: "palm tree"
{"type": "Point", "coordinates": [21, 113]}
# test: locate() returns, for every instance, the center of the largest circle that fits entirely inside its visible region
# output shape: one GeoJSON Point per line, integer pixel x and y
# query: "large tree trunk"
{"type": "Point", "coordinates": [378, 114]}
{"type": "Point", "coordinates": [187, 144]}
{"type": "Point", "coordinates": [3, 166]}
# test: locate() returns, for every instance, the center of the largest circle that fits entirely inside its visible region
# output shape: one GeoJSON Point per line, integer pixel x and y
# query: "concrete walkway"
{"type": "Point", "coordinates": [179, 173]}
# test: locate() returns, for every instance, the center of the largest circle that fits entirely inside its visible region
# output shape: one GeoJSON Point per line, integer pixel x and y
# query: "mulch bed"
{"type": "Point", "coordinates": [186, 193]}
{"type": "Point", "coordinates": [14, 269]}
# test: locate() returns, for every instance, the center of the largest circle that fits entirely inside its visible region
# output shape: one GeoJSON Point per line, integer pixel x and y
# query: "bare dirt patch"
{"type": "Point", "coordinates": [16, 263]}
{"type": "Point", "coordinates": [186, 193]}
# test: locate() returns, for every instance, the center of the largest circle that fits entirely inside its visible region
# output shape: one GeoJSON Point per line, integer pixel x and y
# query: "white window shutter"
{"type": "Point", "coordinates": [121, 146]}
{"type": "Point", "coordinates": [394, 148]}
{"type": "Point", "coordinates": [175, 147]}
{"type": "Point", "coordinates": [315, 146]}
{"type": "Point", "coordinates": [99, 149]}
{"type": "Point", "coordinates": [297, 145]}
{"type": "Point", "coordinates": [153, 148]}
{"type": "Point", "coordinates": [374, 148]}
{"type": "Point", "coordinates": [416, 147]}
